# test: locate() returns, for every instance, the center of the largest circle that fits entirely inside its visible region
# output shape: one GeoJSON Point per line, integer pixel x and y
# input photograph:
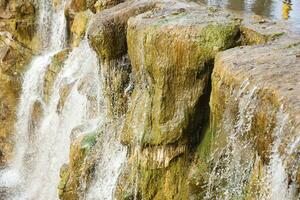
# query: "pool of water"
{"type": "Point", "coordinates": [288, 11]}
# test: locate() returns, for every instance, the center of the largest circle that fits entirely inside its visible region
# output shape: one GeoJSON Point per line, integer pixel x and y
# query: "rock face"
{"type": "Point", "coordinates": [107, 35]}
{"type": "Point", "coordinates": [79, 170]}
{"type": "Point", "coordinates": [17, 17]}
{"type": "Point", "coordinates": [265, 115]}
{"type": "Point", "coordinates": [79, 26]}
{"type": "Point", "coordinates": [167, 108]}
{"type": "Point", "coordinates": [17, 28]}
{"type": "Point", "coordinates": [52, 70]}
{"type": "Point", "coordinates": [200, 119]}
{"type": "Point", "coordinates": [13, 58]}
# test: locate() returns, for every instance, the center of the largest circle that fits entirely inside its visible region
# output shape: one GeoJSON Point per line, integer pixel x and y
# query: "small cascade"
{"type": "Point", "coordinates": [111, 157]}
{"type": "Point", "coordinates": [237, 164]}
{"type": "Point", "coordinates": [75, 101]}
{"type": "Point", "coordinates": [51, 26]}
{"type": "Point", "coordinates": [43, 128]}
{"type": "Point", "coordinates": [276, 178]}
{"type": "Point", "coordinates": [224, 181]}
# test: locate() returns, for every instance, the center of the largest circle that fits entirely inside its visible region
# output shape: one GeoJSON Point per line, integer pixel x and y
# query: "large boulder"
{"type": "Point", "coordinates": [172, 52]}
{"type": "Point", "coordinates": [107, 36]}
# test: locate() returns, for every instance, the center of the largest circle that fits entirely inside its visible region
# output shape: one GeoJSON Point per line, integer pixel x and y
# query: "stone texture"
{"type": "Point", "coordinates": [170, 79]}
{"type": "Point", "coordinates": [104, 4]}
{"type": "Point", "coordinates": [107, 36]}
{"type": "Point", "coordinates": [17, 17]}
{"type": "Point", "coordinates": [13, 59]}
{"type": "Point", "coordinates": [52, 71]}
{"type": "Point", "coordinates": [275, 119]}
{"type": "Point", "coordinates": [79, 170]}
{"type": "Point", "coordinates": [159, 56]}
{"type": "Point", "coordinates": [79, 26]}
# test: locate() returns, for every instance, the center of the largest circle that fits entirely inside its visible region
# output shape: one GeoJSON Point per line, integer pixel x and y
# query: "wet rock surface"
{"type": "Point", "coordinates": [268, 77]}
{"type": "Point", "coordinates": [171, 48]}
{"type": "Point", "coordinates": [13, 59]}
{"type": "Point", "coordinates": [195, 113]}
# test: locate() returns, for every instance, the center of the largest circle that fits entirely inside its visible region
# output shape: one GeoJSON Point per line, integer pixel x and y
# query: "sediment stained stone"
{"type": "Point", "coordinates": [171, 48]}
{"type": "Point", "coordinates": [18, 18]}
{"type": "Point", "coordinates": [53, 69]}
{"type": "Point", "coordinates": [271, 128]}
{"type": "Point", "coordinates": [107, 36]}
{"type": "Point", "coordinates": [172, 52]}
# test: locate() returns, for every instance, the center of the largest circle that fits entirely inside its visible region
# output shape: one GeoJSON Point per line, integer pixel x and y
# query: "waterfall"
{"type": "Point", "coordinates": [42, 151]}
{"type": "Point", "coordinates": [44, 128]}
{"type": "Point", "coordinates": [110, 162]}
{"type": "Point", "coordinates": [41, 146]}
{"type": "Point", "coordinates": [236, 164]}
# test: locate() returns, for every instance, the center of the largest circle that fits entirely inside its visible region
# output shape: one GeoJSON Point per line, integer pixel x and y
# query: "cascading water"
{"type": "Point", "coordinates": [232, 157]}
{"type": "Point", "coordinates": [42, 151]}
{"type": "Point", "coordinates": [238, 163]}
{"type": "Point", "coordinates": [42, 145]}
{"type": "Point", "coordinates": [110, 161]}
{"type": "Point", "coordinates": [42, 141]}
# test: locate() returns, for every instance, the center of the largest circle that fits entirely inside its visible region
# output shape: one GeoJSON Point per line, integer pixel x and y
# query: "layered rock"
{"type": "Point", "coordinates": [78, 13]}
{"type": "Point", "coordinates": [107, 35]}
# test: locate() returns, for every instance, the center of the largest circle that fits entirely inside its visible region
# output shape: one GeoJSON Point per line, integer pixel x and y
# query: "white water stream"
{"type": "Point", "coordinates": [236, 163]}
{"type": "Point", "coordinates": [43, 128]}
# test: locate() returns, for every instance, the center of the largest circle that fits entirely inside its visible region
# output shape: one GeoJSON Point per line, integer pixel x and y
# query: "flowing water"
{"type": "Point", "coordinates": [42, 142]}
{"type": "Point", "coordinates": [110, 162]}
{"type": "Point", "coordinates": [274, 9]}
{"type": "Point", "coordinates": [44, 128]}
{"type": "Point", "coordinates": [234, 165]}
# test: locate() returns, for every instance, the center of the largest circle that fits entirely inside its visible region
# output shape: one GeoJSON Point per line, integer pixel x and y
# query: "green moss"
{"type": "Point", "coordinates": [164, 183]}
{"type": "Point", "coordinates": [199, 172]}
{"type": "Point", "coordinates": [204, 148]}
{"type": "Point", "coordinates": [89, 141]}
{"type": "Point", "coordinates": [64, 178]}
{"type": "Point", "coordinates": [215, 38]}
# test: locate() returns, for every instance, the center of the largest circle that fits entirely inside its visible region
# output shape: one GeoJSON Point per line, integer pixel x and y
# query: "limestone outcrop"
{"type": "Point", "coordinates": [17, 28]}
{"type": "Point", "coordinates": [209, 100]}
{"type": "Point", "coordinates": [167, 107]}
{"type": "Point", "coordinates": [107, 35]}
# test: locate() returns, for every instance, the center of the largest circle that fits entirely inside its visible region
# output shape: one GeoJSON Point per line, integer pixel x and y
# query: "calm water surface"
{"type": "Point", "coordinates": [274, 9]}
